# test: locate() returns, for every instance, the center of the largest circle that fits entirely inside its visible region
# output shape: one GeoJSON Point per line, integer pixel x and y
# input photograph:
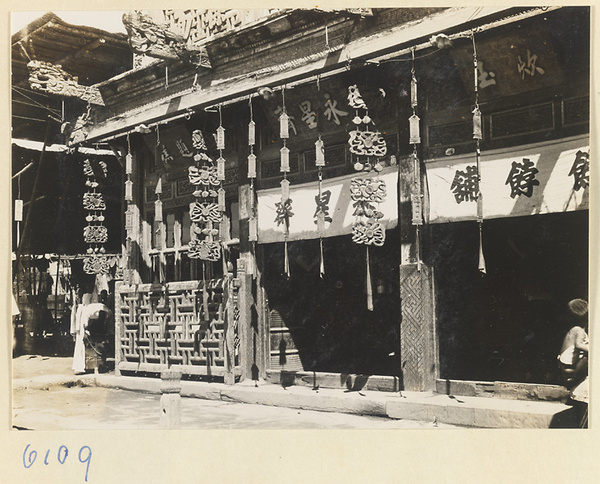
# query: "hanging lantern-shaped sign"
{"type": "Point", "coordinates": [251, 133]}
{"type": "Point", "coordinates": [220, 138]}
{"type": "Point", "coordinates": [220, 168]}
{"type": "Point", "coordinates": [18, 210]}
{"type": "Point", "coordinates": [414, 131]}
{"type": "Point", "coordinates": [285, 189]}
{"type": "Point", "coordinates": [284, 126]}
{"type": "Point", "coordinates": [285, 160]}
{"type": "Point", "coordinates": [319, 153]}
{"type": "Point", "coordinates": [252, 166]}
{"type": "Point", "coordinates": [477, 129]}
{"type": "Point", "coordinates": [128, 164]}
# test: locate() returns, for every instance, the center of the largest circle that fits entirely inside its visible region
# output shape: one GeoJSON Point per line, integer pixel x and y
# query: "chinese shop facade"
{"type": "Point", "coordinates": [321, 221]}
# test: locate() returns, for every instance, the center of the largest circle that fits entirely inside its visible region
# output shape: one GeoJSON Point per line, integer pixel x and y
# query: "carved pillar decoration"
{"type": "Point", "coordinates": [417, 331]}
{"type": "Point", "coordinates": [418, 344]}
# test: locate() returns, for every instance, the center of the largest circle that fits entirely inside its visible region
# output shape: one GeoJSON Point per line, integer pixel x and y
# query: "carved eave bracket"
{"type": "Point", "coordinates": [52, 79]}
{"type": "Point", "coordinates": [148, 37]}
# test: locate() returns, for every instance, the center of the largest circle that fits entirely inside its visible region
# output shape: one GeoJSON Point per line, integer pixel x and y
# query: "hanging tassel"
{"type": "Point", "coordinates": [482, 267]}
{"type": "Point", "coordinates": [204, 293]}
{"type": "Point", "coordinates": [220, 138]}
{"type": "Point", "coordinates": [252, 165]}
{"type": "Point", "coordinates": [285, 190]}
{"type": "Point", "coordinates": [286, 260]}
{"type": "Point", "coordinates": [220, 168]}
{"type": "Point", "coordinates": [369, 285]}
{"type": "Point", "coordinates": [251, 133]}
{"type": "Point", "coordinates": [285, 160]}
{"type": "Point", "coordinates": [415, 134]}
{"type": "Point", "coordinates": [128, 164]}
{"type": "Point", "coordinates": [129, 191]}
{"type": "Point", "coordinates": [284, 126]}
{"type": "Point", "coordinates": [319, 153]}
{"type": "Point", "coordinates": [477, 131]}
{"type": "Point", "coordinates": [322, 264]}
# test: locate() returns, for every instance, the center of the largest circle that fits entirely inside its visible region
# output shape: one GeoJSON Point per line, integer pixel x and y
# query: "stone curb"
{"type": "Point", "coordinates": [426, 407]}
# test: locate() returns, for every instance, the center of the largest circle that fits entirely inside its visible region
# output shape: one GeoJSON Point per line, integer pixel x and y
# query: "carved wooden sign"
{"type": "Point", "coordinates": [154, 37]}
{"type": "Point", "coordinates": [50, 78]}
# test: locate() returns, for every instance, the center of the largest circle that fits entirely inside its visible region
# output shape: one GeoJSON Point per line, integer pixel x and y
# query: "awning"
{"type": "Point", "coordinates": [58, 148]}
{"type": "Point", "coordinates": [337, 204]}
{"type": "Point", "coordinates": [539, 178]}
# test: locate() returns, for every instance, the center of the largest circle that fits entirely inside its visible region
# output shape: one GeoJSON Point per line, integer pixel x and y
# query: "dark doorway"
{"type": "Point", "coordinates": [508, 324]}
{"type": "Point", "coordinates": [323, 324]}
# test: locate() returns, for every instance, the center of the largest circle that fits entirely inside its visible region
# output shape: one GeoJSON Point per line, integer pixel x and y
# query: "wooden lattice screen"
{"type": "Point", "coordinates": [178, 325]}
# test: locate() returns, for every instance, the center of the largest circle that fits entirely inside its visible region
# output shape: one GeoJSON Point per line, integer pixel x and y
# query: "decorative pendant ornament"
{"type": "Point", "coordinates": [368, 192]}
{"type": "Point", "coordinates": [252, 221]}
{"type": "Point", "coordinates": [477, 136]}
{"type": "Point", "coordinates": [95, 234]}
{"type": "Point", "coordinates": [206, 212]}
{"type": "Point", "coordinates": [284, 208]}
{"type": "Point", "coordinates": [321, 202]}
{"type": "Point", "coordinates": [416, 196]}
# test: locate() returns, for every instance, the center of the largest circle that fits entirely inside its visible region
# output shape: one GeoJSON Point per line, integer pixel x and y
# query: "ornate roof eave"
{"type": "Point", "coordinates": [224, 90]}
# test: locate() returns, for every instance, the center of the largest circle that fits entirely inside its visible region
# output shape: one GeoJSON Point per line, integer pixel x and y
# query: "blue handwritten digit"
{"type": "Point", "coordinates": [46, 458]}
{"type": "Point", "coordinates": [87, 459]}
{"type": "Point", "coordinates": [66, 453]}
{"type": "Point", "coordinates": [32, 456]}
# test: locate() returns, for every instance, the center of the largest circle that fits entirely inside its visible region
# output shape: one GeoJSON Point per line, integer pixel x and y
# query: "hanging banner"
{"type": "Point", "coordinates": [336, 202]}
{"type": "Point", "coordinates": [527, 180]}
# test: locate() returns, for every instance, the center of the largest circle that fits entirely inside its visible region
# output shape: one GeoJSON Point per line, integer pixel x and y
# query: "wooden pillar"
{"type": "Point", "coordinates": [228, 294]}
{"type": "Point", "coordinates": [252, 320]}
{"type": "Point", "coordinates": [418, 348]}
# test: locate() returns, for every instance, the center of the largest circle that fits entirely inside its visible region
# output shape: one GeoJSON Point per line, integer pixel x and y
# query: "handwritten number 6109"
{"type": "Point", "coordinates": [85, 457]}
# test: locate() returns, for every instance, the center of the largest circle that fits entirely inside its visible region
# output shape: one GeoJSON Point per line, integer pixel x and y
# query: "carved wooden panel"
{"type": "Point", "coordinates": [174, 325]}
{"type": "Point", "coordinates": [47, 77]}
{"type": "Point", "coordinates": [417, 335]}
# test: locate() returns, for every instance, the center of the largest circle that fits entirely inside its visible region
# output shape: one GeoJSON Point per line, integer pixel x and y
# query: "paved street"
{"type": "Point", "coordinates": [62, 408]}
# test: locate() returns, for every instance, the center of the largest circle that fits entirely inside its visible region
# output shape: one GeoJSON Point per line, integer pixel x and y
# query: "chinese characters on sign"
{"type": "Point", "coordinates": [529, 66]}
{"type": "Point", "coordinates": [308, 113]}
{"type": "Point", "coordinates": [465, 185]}
{"type": "Point", "coordinates": [322, 203]}
{"type": "Point", "coordinates": [580, 170]}
{"type": "Point", "coordinates": [486, 78]}
{"type": "Point", "coordinates": [522, 178]}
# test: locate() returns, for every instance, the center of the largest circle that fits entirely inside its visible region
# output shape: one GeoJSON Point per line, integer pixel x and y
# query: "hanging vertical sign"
{"type": "Point", "coordinates": [367, 147]}
{"type": "Point", "coordinates": [284, 207]}
{"type": "Point", "coordinates": [252, 220]}
{"type": "Point", "coordinates": [204, 211]}
{"type": "Point", "coordinates": [95, 234]}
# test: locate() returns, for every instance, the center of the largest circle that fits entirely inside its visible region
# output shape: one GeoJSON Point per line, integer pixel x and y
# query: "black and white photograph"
{"type": "Point", "coordinates": [300, 218]}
